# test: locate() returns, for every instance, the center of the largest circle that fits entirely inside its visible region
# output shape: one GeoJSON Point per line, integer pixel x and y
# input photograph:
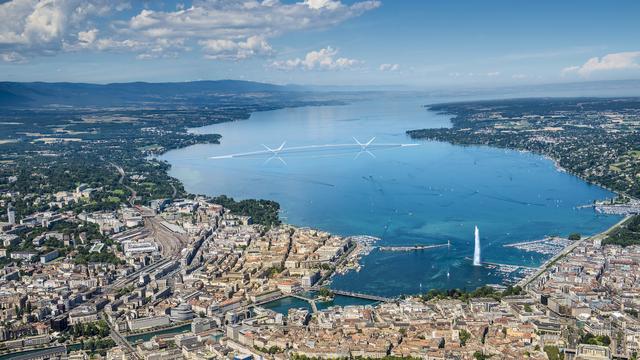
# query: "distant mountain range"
{"type": "Point", "coordinates": [118, 94]}
{"type": "Point", "coordinates": [236, 92]}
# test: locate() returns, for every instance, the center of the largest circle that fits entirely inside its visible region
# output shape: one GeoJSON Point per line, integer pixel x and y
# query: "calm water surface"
{"type": "Point", "coordinates": [427, 194]}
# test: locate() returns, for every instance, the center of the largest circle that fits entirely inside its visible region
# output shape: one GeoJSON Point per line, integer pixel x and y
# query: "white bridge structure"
{"type": "Point", "coordinates": [276, 153]}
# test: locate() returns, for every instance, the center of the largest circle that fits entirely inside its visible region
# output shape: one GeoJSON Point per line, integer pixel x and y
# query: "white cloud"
{"type": "Point", "coordinates": [519, 76]}
{"type": "Point", "coordinates": [320, 4]}
{"type": "Point", "coordinates": [323, 59]}
{"type": "Point", "coordinates": [31, 27]}
{"type": "Point", "coordinates": [231, 50]}
{"type": "Point", "coordinates": [457, 74]}
{"type": "Point", "coordinates": [238, 29]}
{"type": "Point", "coordinates": [12, 57]}
{"type": "Point", "coordinates": [221, 29]}
{"type": "Point", "coordinates": [389, 67]}
{"type": "Point", "coordinates": [617, 61]}
{"type": "Point", "coordinates": [87, 37]}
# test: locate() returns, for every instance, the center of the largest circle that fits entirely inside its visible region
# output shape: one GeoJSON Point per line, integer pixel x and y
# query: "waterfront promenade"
{"type": "Point", "coordinates": [544, 267]}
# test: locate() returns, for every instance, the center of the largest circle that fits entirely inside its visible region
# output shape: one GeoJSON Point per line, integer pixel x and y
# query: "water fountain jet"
{"type": "Point", "coordinates": [476, 250]}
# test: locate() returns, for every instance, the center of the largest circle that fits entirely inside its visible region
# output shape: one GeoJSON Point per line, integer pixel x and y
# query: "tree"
{"type": "Point", "coordinates": [464, 337]}
{"type": "Point", "coordinates": [574, 237]}
{"type": "Point", "coordinates": [325, 292]}
{"type": "Point", "coordinates": [480, 356]}
{"type": "Point", "coordinates": [553, 352]}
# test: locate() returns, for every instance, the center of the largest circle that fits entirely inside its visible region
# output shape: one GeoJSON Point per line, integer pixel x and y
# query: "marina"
{"type": "Point", "coordinates": [547, 246]}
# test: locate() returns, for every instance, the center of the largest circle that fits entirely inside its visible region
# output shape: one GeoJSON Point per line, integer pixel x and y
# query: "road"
{"type": "Point", "coordinates": [175, 191]}
{"type": "Point", "coordinates": [133, 196]}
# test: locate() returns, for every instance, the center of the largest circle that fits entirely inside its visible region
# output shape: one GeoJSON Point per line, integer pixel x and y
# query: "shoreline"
{"type": "Point", "coordinates": [555, 163]}
{"type": "Point", "coordinates": [567, 250]}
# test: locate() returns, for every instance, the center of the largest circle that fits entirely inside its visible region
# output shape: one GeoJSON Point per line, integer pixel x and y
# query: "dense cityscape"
{"type": "Point", "coordinates": [117, 267]}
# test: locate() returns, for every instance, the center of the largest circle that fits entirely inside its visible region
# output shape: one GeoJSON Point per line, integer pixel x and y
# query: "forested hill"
{"type": "Point", "coordinates": [15, 94]}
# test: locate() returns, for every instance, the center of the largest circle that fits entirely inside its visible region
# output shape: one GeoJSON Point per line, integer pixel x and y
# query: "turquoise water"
{"type": "Point", "coordinates": [427, 194]}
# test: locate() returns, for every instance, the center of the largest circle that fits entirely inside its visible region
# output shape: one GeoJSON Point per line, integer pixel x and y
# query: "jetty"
{"type": "Point", "coordinates": [532, 242]}
{"type": "Point", "coordinates": [412, 247]}
{"type": "Point", "coordinates": [511, 265]}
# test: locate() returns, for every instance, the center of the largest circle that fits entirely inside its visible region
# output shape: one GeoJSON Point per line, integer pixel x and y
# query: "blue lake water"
{"type": "Point", "coordinates": [427, 194]}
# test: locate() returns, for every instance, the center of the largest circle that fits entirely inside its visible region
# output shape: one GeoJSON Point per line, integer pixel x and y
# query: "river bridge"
{"type": "Point", "coordinates": [363, 296]}
{"type": "Point", "coordinates": [359, 295]}
{"type": "Point", "coordinates": [311, 302]}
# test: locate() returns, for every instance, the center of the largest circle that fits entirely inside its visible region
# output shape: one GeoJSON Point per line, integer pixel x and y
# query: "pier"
{"type": "Point", "coordinates": [412, 247]}
{"type": "Point", "coordinates": [513, 265]}
{"type": "Point", "coordinates": [528, 242]}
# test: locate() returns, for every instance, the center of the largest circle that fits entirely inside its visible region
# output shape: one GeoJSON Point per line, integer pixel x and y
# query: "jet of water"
{"type": "Point", "coordinates": [476, 250]}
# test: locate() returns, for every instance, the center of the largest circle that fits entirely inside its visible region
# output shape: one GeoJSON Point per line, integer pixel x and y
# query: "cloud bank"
{"type": "Point", "coordinates": [221, 30]}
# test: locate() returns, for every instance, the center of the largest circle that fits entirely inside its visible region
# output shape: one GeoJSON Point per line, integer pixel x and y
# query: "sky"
{"type": "Point", "coordinates": [424, 43]}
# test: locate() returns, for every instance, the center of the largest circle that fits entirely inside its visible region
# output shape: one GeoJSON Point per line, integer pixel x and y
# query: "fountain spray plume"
{"type": "Point", "coordinates": [476, 250]}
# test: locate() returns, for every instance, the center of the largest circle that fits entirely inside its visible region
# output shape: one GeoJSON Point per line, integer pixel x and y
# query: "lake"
{"type": "Point", "coordinates": [426, 194]}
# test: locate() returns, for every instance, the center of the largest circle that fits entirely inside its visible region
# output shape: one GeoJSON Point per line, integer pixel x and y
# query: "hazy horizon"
{"type": "Point", "coordinates": [319, 42]}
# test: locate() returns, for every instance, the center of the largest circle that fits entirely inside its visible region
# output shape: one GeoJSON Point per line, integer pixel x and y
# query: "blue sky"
{"type": "Point", "coordinates": [444, 43]}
